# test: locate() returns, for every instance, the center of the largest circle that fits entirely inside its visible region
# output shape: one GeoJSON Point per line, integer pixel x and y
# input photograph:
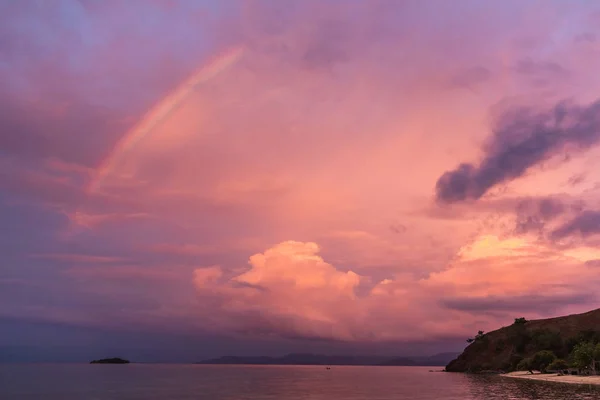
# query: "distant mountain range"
{"type": "Point", "coordinates": [114, 360]}
{"type": "Point", "coordinates": [319, 359]}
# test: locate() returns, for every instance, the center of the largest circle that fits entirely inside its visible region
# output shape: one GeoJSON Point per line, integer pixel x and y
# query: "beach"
{"type": "Point", "coordinates": [577, 379]}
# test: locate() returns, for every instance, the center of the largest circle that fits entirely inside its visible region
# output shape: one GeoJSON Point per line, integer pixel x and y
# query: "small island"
{"type": "Point", "coordinates": [110, 361]}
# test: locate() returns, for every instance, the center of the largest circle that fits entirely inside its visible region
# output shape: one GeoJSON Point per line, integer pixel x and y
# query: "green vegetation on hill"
{"type": "Point", "coordinates": [546, 345]}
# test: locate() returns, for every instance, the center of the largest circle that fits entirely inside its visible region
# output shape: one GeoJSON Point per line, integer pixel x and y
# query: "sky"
{"type": "Point", "coordinates": [182, 179]}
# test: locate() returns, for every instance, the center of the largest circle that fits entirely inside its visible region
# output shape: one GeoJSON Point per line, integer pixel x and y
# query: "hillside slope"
{"type": "Point", "coordinates": [504, 348]}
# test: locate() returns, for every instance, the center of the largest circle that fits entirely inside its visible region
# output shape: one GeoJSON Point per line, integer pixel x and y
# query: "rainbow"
{"type": "Point", "coordinates": [159, 112]}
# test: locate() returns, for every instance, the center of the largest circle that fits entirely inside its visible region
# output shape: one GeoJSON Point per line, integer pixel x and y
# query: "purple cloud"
{"type": "Point", "coordinates": [541, 304]}
{"type": "Point", "coordinates": [534, 213]}
{"type": "Point", "coordinates": [586, 224]}
{"type": "Point", "coordinates": [522, 139]}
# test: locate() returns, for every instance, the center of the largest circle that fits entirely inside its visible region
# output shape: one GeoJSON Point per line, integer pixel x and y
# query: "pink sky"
{"type": "Point", "coordinates": [355, 171]}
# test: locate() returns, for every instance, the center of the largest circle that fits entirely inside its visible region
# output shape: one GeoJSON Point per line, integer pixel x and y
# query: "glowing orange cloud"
{"type": "Point", "coordinates": [291, 290]}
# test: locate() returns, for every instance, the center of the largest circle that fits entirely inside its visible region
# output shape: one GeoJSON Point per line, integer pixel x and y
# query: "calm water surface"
{"type": "Point", "coordinates": [179, 382]}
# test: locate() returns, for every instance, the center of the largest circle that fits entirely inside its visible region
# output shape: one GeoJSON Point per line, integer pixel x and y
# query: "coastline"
{"type": "Point", "coordinates": [571, 379]}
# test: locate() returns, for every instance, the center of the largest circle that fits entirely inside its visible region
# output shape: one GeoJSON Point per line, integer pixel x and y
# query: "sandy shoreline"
{"type": "Point", "coordinates": [576, 379]}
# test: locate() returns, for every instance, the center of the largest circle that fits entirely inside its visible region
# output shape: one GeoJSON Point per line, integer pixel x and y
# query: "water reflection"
{"type": "Point", "coordinates": [496, 388]}
{"type": "Point", "coordinates": [187, 382]}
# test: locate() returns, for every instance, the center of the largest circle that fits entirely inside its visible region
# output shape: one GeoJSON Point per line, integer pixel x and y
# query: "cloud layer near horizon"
{"type": "Point", "coordinates": [291, 290]}
{"type": "Point", "coordinates": [364, 172]}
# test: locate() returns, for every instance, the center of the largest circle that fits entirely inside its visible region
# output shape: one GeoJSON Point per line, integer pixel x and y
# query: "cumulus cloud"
{"type": "Point", "coordinates": [291, 291]}
{"type": "Point", "coordinates": [291, 288]}
{"type": "Point", "coordinates": [521, 139]}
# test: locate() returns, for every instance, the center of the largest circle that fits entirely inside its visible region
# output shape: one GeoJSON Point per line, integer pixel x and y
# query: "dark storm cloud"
{"type": "Point", "coordinates": [587, 223]}
{"type": "Point", "coordinates": [522, 139]}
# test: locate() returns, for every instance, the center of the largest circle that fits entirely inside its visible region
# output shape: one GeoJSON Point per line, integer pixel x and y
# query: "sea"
{"type": "Point", "coordinates": [236, 382]}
